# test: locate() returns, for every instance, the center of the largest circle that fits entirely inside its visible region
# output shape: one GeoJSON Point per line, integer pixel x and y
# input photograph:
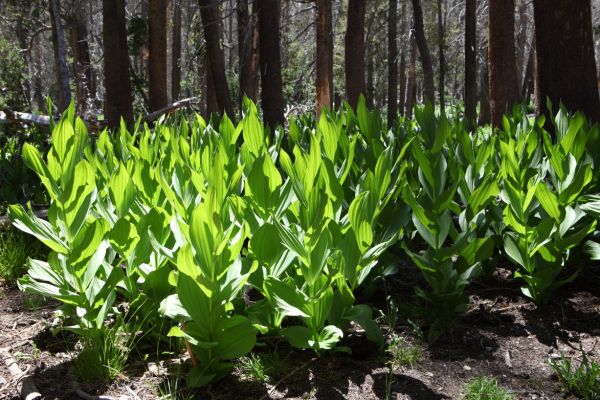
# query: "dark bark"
{"type": "Point", "coordinates": [424, 53]}
{"type": "Point", "coordinates": [566, 67]}
{"type": "Point", "coordinates": [82, 68]}
{"type": "Point", "coordinates": [117, 102]}
{"type": "Point", "coordinates": [392, 101]}
{"type": "Point", "coordinates": [248, 50]}
{"type": "Point", "coordinates": [176, 55]}
{"type": "Point", "coordinates": [502, 69]}
{"type": "Point", "coordinates": [412, 77]}
{"type": "Point", "coordinates": [212, 103]}
{"type": "Point", "coordinates": [354, 57]}
{"type": "Point", "coordinates": [270, 62]}
{"type": "Point", "coordinates": [60, 56]}
{"type": "Point", "coordinates": [324, 60]}
{"type": "Point", "coordinates": [157, 63]}
{"type": "Point", "coordinates": [442, 60]}
{"type": "Point", "coordinates": [470, 94]}
{"type": "Point", "coordinates": [211, 19]}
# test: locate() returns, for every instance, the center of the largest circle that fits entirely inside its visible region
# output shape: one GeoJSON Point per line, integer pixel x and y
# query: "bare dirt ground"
{"type": "Point", "coordinates": [502, 335]}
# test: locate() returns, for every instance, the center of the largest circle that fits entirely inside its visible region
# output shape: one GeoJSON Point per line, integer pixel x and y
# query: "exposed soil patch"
{"type": "Point", "coordinates": [501, 335]}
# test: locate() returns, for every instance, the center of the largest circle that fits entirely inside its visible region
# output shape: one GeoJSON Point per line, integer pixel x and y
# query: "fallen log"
{"type": "Point", "coordinates": [25, 384]}
{"type": "Point", "coordinates": [18, 117]}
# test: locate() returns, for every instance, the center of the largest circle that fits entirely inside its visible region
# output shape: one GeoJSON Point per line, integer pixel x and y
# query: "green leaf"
{"type": "Point", "coordinates": [548, 201]}
{"type": "Point", "coordinates": [298, 336]}
{"type": "Point", "coordinates": [289, 300]}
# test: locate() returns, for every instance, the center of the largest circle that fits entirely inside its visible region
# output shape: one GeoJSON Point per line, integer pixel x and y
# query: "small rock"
{"type": "Point", "coordinates": [554, 356]}
{"type": "Point", "coordinates": [466, 367]}
{"type": "Point", "coordinates": [429, 374]}
{"type": "Point", "coordinates": [507, 359]}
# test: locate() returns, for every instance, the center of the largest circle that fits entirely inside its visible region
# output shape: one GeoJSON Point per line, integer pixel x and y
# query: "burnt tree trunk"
{"type": "Point", "coordinates": [60, 56]}
{"type": "Point", "coordinates": [324, 84]}
{"type": "Point", "coordinates": [247, 26]}
{"type": "Point", "coordinates": [424, 53]}
{"type": "Point", "coordinates": [176, 54]}
{"type": "Point", "coordinates": [502, 66]}
{"type": "Point", "coordinates": [157, 63]}
{"type": "Point", "coordinates": [470, 95]}
{"type": "Point", "coordinates": [354, 49]}
{"type": "Point", "coordinates": [566, 67]}
{"type": "Point", "coordinates": [270, 62]}
{"type": "Point", "coordinates": [117, 101]}
{"type": "Point", "coordinates": [442, 60]}
{"type": "Point", "coordinates": [392, 101]}
{"type": "Point", "coordinates": [211, 20]}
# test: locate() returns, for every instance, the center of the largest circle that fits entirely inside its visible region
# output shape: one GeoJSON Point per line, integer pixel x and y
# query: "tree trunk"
{"type": "Point", "coordinates": [117, 101]}
{"type": "Point", "coordinates": [392, 101]}
{"type": "Point", "coordinates": [354, 57]}
{"type": "Point", "coordinates": [324, 84]}
{"type": "Point", "coordinates": [528, 79]}
{"type": "Point", "coordinates": [157, 63]}
{"type": "Point", "coordinates": [502, 70]}
{"type": "Point", "coordinates": [441, 45]}
{"type": "Point", "coordinates": [425, 55]}
{"type": "Point", "coordinates": [82, 68]}
{"type": "Point", "coordinates": [176, 55]}
{"type": "Point", "coordinates": [211, 20]}
{"type": "Point", "coordinates": [470, 62]}
{"type": "Point", "coordinates": [485, 116]}
{"type": "Point", "coordinates": [412, 77]}
{"type": "Point", "coordinates": [566, 66]}
{"type": "Point", "coordinates": [270, 62]}
{"type": "Point", "coordinates": [522, 42]}
{"type": "Point", "coordinates": [247, 50]}
{"type": "Point", "coordinates": [212, 103]}
{"type": "Point", "coordinates": [60, 56]}
{"type": "Point", "coordinates": [402, 68]}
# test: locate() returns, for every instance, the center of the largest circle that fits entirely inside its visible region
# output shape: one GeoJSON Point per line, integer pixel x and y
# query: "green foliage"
{"type": "Point", "coordinates": [402, 354]}
{"type": "Point", "coordinates": [177, 222]}
{"type": "Point", "coordinates": [262, 367]}
{"type": "Point", "coordinates": [485, 388]}
{"type": "Point", "coordinates": [582, 380]}
{"type": "Point", "coordinates": [12, 66]}
{"type": "Point", "coordinates": [15, 248]}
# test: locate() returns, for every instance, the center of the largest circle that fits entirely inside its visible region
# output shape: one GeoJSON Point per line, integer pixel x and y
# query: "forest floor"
{"type": "Point", "coordinates": [502, 335]}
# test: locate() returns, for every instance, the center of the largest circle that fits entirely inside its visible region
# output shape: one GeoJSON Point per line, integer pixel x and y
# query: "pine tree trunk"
{"type": "Point", "coordinates": [212, 103]}
{"type": "Point", "coordinates": [117, 101]}
{"type": "Point", "coordinates": [485, 116]}
{"type": "Point", "coordinates": [82, 68]}
{"type": "Point", "coordinates": [441, 45]}
{"type": "Point", "coordinates": [270, 62]}
{"type": "Point", "coordinates": [392, 101]}
{"type": "Point", "coordinates": [157, 63]}
{"type": "Point", "coordinates": [522, 42]}
{"type": "Point", "coordinates": [411, 84]}
{"type": "Point", "coordinates": [470, 94]}
{"type": "Point", "coordinates": [324, 60]}
{"type": "Point", "coordinates": [528, 79]}
{"type": "Point", "coordinates": [566, 66]}
{"type": "Point", "coordinates": [354, 57]}
{"type": "Point", "coordinates": [176, 55]}
{"type": "Point", "coordinates": [502, 69]}
{"type": "Point", "coordinates": [60, 56]}
{"type": "Point", "coordinates": [211, 20]}
{"type": "Point", "coordinates": [424, 53]}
